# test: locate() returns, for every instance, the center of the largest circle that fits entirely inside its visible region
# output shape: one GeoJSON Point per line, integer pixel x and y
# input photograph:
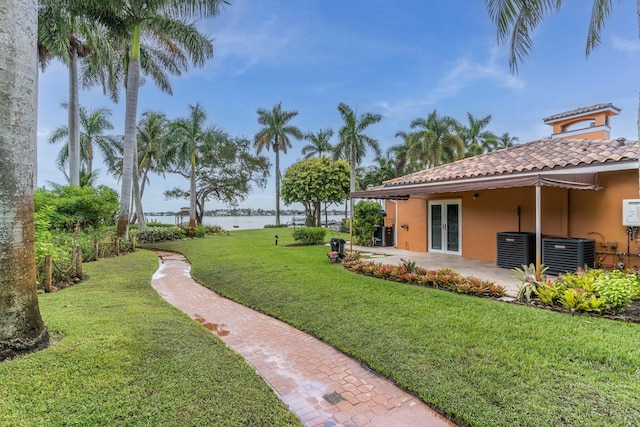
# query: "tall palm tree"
{"type": "Point", "coordinates": [21, 326]}
{"type": "Point", "coordinates": [188, 135]}
{"type": "Point", "coordinates": [505, 140]}
{"type": "Point", "coordinates": [435, 142]}
{"type": "Point", "coordinates": [275, 134]}
{"type": "Point", "coordinates": [319, 143]}
{"type": "Point", "coordinates": [354, 142]}
{"type": "Point", "coordinates": [172, 42]}
{"type": "Point", "coordinates": [63, 34]}
{"type": "Point", "coordinates": [93, 124]}
{"type": "Point", "coordinates": [152, 140]}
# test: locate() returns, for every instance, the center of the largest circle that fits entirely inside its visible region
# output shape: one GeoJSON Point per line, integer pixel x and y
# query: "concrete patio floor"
{"type": "Point", "coordinates": [485, 270]}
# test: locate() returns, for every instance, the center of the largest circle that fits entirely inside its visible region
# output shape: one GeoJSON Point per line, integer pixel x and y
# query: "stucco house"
{"type": "Point", "coordinates": [571, 185]}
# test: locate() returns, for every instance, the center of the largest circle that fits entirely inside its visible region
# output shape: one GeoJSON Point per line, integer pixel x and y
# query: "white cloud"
{"type": "Point", "coordinates": [625, 45]}
{"type": "Point", "coordinates": [464, 73]}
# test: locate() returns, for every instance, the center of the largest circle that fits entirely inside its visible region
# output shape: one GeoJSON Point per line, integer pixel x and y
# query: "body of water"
{"type": "Point", "coordinates": [242, 222]}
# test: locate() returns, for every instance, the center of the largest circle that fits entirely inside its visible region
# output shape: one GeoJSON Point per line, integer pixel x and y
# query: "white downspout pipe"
{"type": "Point", "coordinates": [538, 231]}
{"type": "Point", "coordinates": [395, 225]}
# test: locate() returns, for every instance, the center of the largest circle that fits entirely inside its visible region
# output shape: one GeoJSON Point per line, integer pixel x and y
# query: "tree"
{"type": "Point", "coordinates": [188, 137]}
{"type": "Point", "coordinates": [400, 155]}
{"type": "Point", "coordinates": [367, 217]}
{"type": "Point", "coordinates": [475, 138]}
{"type": "Point", "coordinates": [226, 172]}
{"type": "Point", "coordinates": [314, 181]}
{"type": "Point", "coordinates": [62, 34]}
{"type": "Point", "coordinates": [172, 42]}
{"type": "Point", "coordinates": [375, 175]}
{"type": "Point", "coordinates": [319, 143]}
{"type": "Point", "coordinates": [93, 123]}
{"type": "Point", "coordinates": [354, 142]}
{"type": "Point", "coordinates": [435, 141]}
{"type": "Point", "coordinates": [21, 326]}
{"type": "Point", "coordinates": [152, 142]}
{"type": "Point", "coordinates": [505, 140]}
{"type": "Point", "coordinates": [275, 135]}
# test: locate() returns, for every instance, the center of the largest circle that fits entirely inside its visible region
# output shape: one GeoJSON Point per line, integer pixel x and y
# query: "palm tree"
{"type": "Point", "coordinates": [21, 326]}
{"type": "Point", "coordinates": [375, 175]}
{"type": "Point", "coordinates": [400, 154]}
{"type": "Point", "coordinates": [505, 140]}
{"type": "Point", "coordinates": [319, 143]}
{"type": "Point", "coordinates": [435, 141]}
{"type": "Point", "coordinates": [516, 20]}
{"type": "Point", "coordinates": [188, 135]}
{"type": "Point", "coordinates": [354, 142]}
{"type": "Point", "coordinates": [475, 138]}
{"type": "Point", "coordinates": [275, 135]}
{"type": "Point", "coordinates": [62, 33]}
{"type": "Point", "coordinates": [93, 123]}
{"type": "Point", "coordinates": [152, 142]}
{"type": "Point", "coordinates": [172, 42]}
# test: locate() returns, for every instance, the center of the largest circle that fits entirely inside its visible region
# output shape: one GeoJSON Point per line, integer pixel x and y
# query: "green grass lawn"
{"type": "Point", "coordinates": [126, 357]}
{"type": "Point", "coordinates": [480, 362]}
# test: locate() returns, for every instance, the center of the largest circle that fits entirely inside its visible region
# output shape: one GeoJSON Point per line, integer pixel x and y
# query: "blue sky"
{"type": "Point", "coordinates": [399, 59]}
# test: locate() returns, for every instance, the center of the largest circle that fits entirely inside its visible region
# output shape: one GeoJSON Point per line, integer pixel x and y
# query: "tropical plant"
{"type": "Point", "coordinates": [435, 142]}
{"type": "Point", "coordinates": [275, 135]}
{"type": "Point", "coordinates": [21, 326]}
{"type": "Point", "coordinates": [159, 37]}
{"type": "Point", "coordinates": [353, 143]}
{"type": "Point", "coordinates": [531, 279]}
{"type": "Point", "coordinates": [376, 174]}
{"type": "Point", "coordinates": [505, 140]}
{"type": "Point", "coordinates": [400, 153]}
{"type": "Point", "coordinates": [93, 124]}
{"type": "Point", "coordinates": [188, 135]}
{"type": "Point", "coordinates": [475, 138]}
{"type": "Point", "coordinates": [319, 143]}
{"type": "Point", "coordinates": [225, 171]}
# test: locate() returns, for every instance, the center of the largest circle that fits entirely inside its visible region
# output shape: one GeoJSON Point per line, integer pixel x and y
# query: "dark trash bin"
{"type": "Point", "coordinates": [337, 249]}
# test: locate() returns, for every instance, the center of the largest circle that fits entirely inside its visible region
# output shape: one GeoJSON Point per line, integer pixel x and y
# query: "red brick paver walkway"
{"type": "Point", "coordinates": [322, 386]}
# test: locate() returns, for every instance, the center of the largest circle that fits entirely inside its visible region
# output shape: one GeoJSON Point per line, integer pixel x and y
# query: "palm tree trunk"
{"type": "Point", "coordinates": [142, 223]}
{"type": "Point", "coordinates": [275, 148]}
{"type": "Point", "coordinates": [192, 192]}
{"type": "Point", "coordinates": [21, 326]}
{"type": "Point", "coordinates": [133, 80]}
{"type": "Point", "coordinates": [74, 120]}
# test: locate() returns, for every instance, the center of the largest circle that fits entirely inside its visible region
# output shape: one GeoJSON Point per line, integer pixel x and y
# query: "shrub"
{"type": "Point", "coordinates": [275, 226]}
{"type": "Point", "coordinates": [159, 234]}
{"type": "Point", "coordinates": [366, 218]}
{"type": "Point", "coordinates": [88, 206]}
{"type": "Point", "coordinates": [309, 235]}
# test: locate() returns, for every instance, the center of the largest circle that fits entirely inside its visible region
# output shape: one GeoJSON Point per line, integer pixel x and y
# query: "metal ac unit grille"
{"type": "Point", "coordinates": [562, 255]}
{"type": "Point", "coordinates": [515, 249]}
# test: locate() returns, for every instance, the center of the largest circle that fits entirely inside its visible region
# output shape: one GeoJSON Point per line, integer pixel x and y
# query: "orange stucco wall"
{"type": "Point", "coordinates": [565, 213]}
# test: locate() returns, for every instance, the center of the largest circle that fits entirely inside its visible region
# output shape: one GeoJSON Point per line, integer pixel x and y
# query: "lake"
{"type": "Point", "coordinates": [240, 222]}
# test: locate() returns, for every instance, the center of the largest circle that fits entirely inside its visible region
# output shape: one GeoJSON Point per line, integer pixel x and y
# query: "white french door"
{"type": "Point", "coordinates": [445, 226]}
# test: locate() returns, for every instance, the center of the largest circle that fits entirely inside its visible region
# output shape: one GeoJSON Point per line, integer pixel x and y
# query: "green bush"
{"type": "Point", "coordinates": [87, 206]}
{"type": "Point", "coordinates": [309, 235]}
{"type": "Point", "coordinates": [366, 218]}
{"type": "Point", "coordinates": [160, 234]}
{"type": "Point", "coordinates": [275, 226]}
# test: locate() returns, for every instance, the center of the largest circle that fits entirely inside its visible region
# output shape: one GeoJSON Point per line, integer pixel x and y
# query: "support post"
{"type": "Point", "coordinates": [538, 232]}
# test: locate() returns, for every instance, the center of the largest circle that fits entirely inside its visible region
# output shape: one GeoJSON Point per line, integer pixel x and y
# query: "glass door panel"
{"type": "Point", "coordinates": [435, 234]}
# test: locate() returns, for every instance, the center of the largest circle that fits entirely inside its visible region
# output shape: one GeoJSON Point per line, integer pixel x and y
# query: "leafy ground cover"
{"type": "Point", "coordinates": [479, 361]}
{"type": "Point", "coordinates": [124, 356]}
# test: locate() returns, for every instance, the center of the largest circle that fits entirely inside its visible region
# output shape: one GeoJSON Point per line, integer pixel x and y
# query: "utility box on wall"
{"type": "Point", "coordinates": [631, 212]}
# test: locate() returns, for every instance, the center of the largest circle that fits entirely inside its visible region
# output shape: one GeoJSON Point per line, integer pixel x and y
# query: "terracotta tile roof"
{"type": "Point", "coordinates": [536, 156]}
{"type": "Point", "coordinates": [581, 110]}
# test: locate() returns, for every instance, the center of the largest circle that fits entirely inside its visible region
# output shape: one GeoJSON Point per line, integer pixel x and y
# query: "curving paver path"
{"type": "Point", "coordinates": [322, 386]}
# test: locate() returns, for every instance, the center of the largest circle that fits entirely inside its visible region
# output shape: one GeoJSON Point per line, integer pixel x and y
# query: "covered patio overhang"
{"type": "Point", "coordinates": [575, 181]}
